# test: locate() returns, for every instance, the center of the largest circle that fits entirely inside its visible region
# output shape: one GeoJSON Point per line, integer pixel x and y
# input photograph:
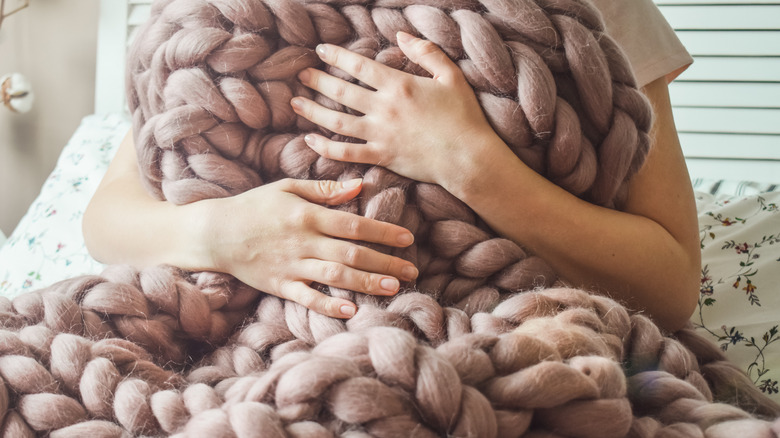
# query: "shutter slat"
{"type": "Point", "coordinates": [733, 17]}
{"type": "Point", "coordinates": [724, 94]}
{"type": "Point", "coordinates": [765, 171]}
{"type": "Point", "coordinates": [713, 2]}
{"type": "Point", "coordinates": [727, 120]}
{"type": "Point", "coordinates": [731, 43]}
{"type": "Point", "coordinates": [733, 146]}
{"type": "Point", "coordinates": [741, 69]}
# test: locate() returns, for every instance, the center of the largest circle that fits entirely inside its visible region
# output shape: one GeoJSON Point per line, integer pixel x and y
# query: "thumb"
{"type": "Point", "coordinates": [427, 55]}
{"type": "Point", "coordinates": [325, 191]}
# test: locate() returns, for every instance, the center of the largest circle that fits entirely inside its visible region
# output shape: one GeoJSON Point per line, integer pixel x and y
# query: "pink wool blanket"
{"type": "Point", "coordinates": [486, 343]}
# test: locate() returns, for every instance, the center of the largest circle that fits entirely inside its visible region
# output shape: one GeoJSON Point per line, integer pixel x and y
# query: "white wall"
{"type": "Point", "coordinates": [53, 43]}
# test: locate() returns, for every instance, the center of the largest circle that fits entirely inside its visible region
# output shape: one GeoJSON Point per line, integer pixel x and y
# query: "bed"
{"type": "Point", "coordinates": [739, 224]}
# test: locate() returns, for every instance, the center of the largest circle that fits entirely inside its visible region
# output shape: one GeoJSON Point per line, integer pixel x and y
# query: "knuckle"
{"type": "Point", "coordinates": [367, 282]}
{"type": "Point", "coordinates": [333, 274]}
{"type": "Point", "coordinates": [326, 187]}
{"type": "Point", "coordinates": [338, 123]}
{"type": "Point", "coordinates": [314, 79]}
{"type": "Point", "coordinates": [286, 184]}
{"type": "Point", "coordinates": [302, 215]}
{"type": "Point", "coordinates": [339, 91]}
{"type": "Point", "coordinates": [426, 47]}
{"type": "Point", "coordinates": [280, 288]}
{"type": "Point", "coordinates": [405, 88]}
{"type": "Point", "coordinates": [389, 264]}
{"type": "Point", "coordinates": [352, 255]}
{"type": "Point", "coordinates": [392, 113]}
{"type": "Point", "coordinates": [344, 153]}
{"type": "Point", "coordinates": [358, 66]}
{"type": "Point", "coordinates": [308, 300]}
{"type": "Point", "coordinates": [354, 228]}
{"type": "Point", "coordinates": [308, 111]}
{"type": "Point", "coordinates": [387, 234]}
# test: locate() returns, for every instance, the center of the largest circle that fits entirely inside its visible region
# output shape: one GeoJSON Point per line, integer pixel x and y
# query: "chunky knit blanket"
{"type": "Point", "coordinates": [486, 343]}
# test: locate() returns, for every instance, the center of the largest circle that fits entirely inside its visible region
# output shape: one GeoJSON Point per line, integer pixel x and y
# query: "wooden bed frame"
{"type": "Point", "coordinates": [727, 105]}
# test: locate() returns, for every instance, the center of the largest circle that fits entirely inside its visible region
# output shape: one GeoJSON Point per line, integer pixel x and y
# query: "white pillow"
{"type": "Point", "coordinates": [47, 244]}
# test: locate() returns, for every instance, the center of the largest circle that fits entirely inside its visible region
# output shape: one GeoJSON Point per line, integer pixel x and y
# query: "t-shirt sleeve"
{"type": "Point", "coordinates": [648, 40]}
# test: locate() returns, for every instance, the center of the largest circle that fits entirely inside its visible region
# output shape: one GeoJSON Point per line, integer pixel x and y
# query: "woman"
{"type": "Point", "coordinates": [279, 238]}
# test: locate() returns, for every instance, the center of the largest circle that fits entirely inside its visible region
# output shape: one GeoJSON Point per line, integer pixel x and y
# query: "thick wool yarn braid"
{"type": "Point", "coordinates": [166, 352]}
{"type": "Point", "coordinates": [542, 362]}
{"type": "Point", "coordinates": [210, 84]}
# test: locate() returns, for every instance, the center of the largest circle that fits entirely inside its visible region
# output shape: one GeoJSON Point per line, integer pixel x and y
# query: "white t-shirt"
{"type": "Point", "coordinates": [646, 37]}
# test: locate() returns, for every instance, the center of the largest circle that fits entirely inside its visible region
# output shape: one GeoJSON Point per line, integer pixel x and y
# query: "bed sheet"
{"type": "Point", "coordinates": [739, 225]}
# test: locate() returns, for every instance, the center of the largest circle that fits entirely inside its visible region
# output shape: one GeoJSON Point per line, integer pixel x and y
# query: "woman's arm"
{"type": "Point", "coordinates": [646, 256]}
{"type": "Point", "coordinates": [123, 224]}
{"type": "Point", "coordinates": [276, 238]}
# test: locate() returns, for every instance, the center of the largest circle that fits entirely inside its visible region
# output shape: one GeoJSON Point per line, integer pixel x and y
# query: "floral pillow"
{"type": "Point", "coordinates": [47, 244]}
{"type": "Point", "coordinates": [739, 303]}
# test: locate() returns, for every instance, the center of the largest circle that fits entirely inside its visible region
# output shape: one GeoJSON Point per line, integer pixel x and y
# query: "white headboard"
{"type": "Point", "coordinates": [727, 105]}
{"type": "Point", "coordinates": [119, 19]}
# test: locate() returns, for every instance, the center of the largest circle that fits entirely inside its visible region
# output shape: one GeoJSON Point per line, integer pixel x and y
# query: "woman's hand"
{"type": "Point", "coordinates": [427, 129]}
{"type": "Point", "coordinates": [278, 239]}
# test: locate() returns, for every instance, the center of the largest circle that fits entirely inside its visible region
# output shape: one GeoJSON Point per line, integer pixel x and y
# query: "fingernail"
{"type": "Point", "coordinates": [304, 76]}
{"type": "Point", "coordinates": [403, 37]}
{"type": "Point", "coordinates": [389, 284]}
{"type": "Point", "coordinates": [320, 49]}
{"type": "Point", "coordinates": [406, 239]}
{"type": "Point", "coordinates": [409, 273]}
{"type": "Point", "coordinates": [353, 183]}
{"type": "Point", "coordinates": [297, 103]}
{"type": "Point", "coordinates": [348, 311]}
{"type": "Point", "coordinates": [309, 139]}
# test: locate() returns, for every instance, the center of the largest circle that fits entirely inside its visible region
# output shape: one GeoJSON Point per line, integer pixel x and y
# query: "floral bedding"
{"type": "Point", "coordinates": [740, 281]}
{"type": "Point", "coordinates": [739, 224]}
{"type": "Point", "coordinates": [47, 244]}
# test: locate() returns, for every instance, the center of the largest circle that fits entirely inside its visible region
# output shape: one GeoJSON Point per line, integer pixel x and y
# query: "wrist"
{"type": "Point", "coordinates": [193, 236]}
{"type": "Point", "coordinates": [472, 173]}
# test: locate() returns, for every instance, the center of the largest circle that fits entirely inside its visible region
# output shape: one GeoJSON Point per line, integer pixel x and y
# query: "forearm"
{"type": "Point", "coordinates": [629, 257]}
{"type": "Point", "coordinates": [124, 224]}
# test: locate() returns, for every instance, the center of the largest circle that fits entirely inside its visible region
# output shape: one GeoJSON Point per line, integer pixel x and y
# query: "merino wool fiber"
{"type": "Point", "coordinates": [486, 342]}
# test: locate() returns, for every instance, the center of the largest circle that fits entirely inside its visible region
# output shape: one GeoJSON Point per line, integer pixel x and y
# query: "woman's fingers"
{"type": "Point", "coordinates": [346, 93]}
{"type": "Point", "coordinates": [336, 121]}
{"type": "Point", "coordinates": [338, 275]}
{"type": "Point", "coordinates": [364, 259]}
{"type": "Point", "coordinates": [366, 70]}
{"type": "Point", "coordinates": [427, 55]}
{"type": "Point", "coordinates": [304, 295]}
{"type": "Point", "coordinates": [353, 227]}
{"type": "Point", "coordinates": [327, 192]}
{"type": "Point", "coordinates": [339, 223]}
{"type": "Point", "coordinates": [365, 153]}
